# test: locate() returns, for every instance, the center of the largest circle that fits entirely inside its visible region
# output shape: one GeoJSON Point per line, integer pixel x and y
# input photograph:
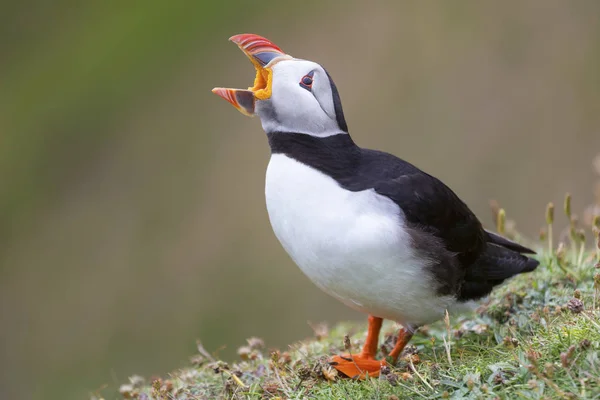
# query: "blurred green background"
{"type": "Point", "coordinates": [132, 217]}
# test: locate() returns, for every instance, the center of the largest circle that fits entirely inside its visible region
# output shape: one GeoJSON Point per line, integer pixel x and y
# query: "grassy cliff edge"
{"type": "Point", "coordinates": [536, 337]}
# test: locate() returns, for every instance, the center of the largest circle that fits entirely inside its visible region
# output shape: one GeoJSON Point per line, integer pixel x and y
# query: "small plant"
{"type": "Point", "coordinates": [501, 221]}
{"type": "Point", "coordinates": [549, 222]}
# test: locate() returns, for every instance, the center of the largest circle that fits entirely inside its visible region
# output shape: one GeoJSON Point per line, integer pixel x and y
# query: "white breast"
{"type": "Point", "coordinates": [353, 245]}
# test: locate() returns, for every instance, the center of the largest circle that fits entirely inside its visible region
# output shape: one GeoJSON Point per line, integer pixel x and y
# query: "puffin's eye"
{"type": "Point", "coordinates": [307, 81]}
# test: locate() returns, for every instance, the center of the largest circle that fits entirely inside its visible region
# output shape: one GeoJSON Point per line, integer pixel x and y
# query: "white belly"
{"type": "Point", "coordinates": [353, 245]}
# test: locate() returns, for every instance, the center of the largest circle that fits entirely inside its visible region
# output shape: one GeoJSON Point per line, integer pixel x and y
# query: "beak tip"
{"type": "Point", "coordinates": [241, 38]}
{"type": "Point", "coordinates": [252, 43]}
{"type": "Point", "coordinates": [222, 92]}
{"type": "Point", "coordinates": [243, 100]}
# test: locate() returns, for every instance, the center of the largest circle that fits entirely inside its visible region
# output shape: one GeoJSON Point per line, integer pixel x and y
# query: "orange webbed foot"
{"type": "Point", "coordinates": [357, 366]}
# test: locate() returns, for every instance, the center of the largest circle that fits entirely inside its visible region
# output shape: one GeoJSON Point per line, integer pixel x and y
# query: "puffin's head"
{"type": "Point", "coordinates": [289, 94]}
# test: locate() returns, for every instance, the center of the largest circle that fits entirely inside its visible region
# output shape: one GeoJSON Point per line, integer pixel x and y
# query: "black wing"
{"type": "Point", "coordinates": [486, 259]}
{"type": "Point", "coordinates": [435, 208]}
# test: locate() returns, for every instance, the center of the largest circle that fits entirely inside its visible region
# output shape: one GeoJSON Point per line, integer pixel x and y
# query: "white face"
{"type": "Point", "coordinates": [297, 107]}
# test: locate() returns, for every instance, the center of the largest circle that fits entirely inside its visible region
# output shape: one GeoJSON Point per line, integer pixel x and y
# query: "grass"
{"type": "Point", "coordinates": [536, 337]}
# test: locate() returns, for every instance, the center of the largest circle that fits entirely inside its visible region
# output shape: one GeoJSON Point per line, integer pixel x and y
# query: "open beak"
{"type": "Point", "coordinates": [263, 54]}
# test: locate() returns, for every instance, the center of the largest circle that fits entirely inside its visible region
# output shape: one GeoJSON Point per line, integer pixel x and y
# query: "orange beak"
{"type": "Point", "coordinates": [263, 54]}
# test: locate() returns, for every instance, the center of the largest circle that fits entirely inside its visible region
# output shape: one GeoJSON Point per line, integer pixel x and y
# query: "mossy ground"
{"type": "Point", "coordinates": [531, 340]}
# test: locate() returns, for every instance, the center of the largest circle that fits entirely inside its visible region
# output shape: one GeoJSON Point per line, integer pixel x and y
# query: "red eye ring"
{"type": "Point", "coordinates": [307, 81]}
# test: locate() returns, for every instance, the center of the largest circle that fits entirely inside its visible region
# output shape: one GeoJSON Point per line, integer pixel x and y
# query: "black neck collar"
{"type": "Point", "coordinates": [336, 155]}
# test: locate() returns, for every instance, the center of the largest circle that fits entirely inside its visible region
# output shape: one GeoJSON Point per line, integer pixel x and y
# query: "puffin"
{"type": "Point", "coordinates": [368, 228]}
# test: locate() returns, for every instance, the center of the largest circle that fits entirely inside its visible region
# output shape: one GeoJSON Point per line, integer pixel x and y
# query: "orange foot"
{"type": "Point", "coordinates": [357, 366]}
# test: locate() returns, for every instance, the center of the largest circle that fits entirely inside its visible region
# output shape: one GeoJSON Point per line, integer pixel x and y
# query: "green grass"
{"type": "Point", "coordinates": [528, 341]}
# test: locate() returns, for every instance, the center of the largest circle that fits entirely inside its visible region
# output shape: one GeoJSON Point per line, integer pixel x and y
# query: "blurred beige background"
{"type": "Point", "coordinates": [132, 217]}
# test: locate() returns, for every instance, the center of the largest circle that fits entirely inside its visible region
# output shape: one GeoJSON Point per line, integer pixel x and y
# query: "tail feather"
{"type": "Point", "coordinates": [509, 244]}
{"type": "Point", "coordinates": [501, 260]}
{"type": "Point", "coordinates": [500, 263]}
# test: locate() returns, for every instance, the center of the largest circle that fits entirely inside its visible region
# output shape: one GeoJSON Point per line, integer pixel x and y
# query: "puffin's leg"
{"type": "Point", "coordinates": [358, 365]}
{"type": "Point", "coordinates": [404, 336]}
